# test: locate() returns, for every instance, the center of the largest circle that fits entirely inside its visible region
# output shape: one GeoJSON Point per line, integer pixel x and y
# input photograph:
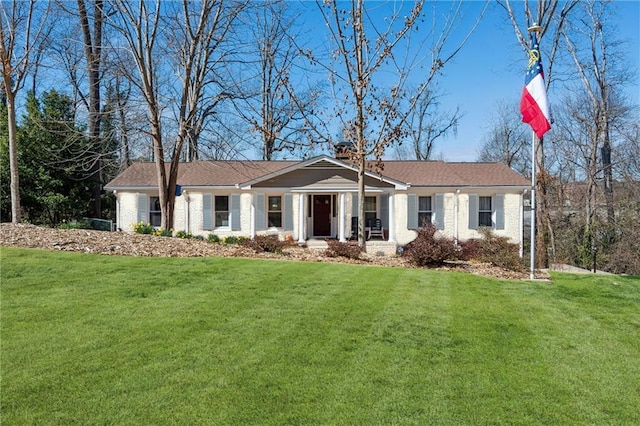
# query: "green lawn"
{"type": "Point", "coordinates": [90, 339]}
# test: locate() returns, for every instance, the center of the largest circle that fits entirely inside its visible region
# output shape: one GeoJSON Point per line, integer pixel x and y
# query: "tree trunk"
{"type": "Point", "coordinates": [93, 48]}
{"type": "Point", "coordinates": [13, 158]}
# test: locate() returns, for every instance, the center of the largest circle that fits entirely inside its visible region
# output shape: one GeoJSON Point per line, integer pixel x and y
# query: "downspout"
{"type": "Point", "coordinates": [456, 210]}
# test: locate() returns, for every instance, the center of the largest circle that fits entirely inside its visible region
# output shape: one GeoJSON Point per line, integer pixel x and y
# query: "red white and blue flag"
{"type": "Point", "coordinates": [534, 105]}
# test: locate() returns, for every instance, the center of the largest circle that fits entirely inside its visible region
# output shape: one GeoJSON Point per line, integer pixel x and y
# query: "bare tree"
{"type": "Point", "coordinates": [551, 19]}
{"type": "Point", "coordinates": [91, 25]}
{"type": "Point", "coordinates": [192, 39]}
{"type": "Point", "coordinates": [374, 114]}
{"type": "Point", "coordinates": [427, 123]}
{"type": "Point", "coordinates": [599, 65]}
{"type": "Point", "coordinates": [21, 26]}
{"type": "Point", "coordinates": [273, 104]}
{"type": "Point", "coordinates": [508, 140]}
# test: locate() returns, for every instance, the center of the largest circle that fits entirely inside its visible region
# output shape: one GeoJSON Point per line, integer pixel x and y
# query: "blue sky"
{"type": "Point", "coordinates": [501, 77]}
{"type": "Point", "coordinates": [491, 69]}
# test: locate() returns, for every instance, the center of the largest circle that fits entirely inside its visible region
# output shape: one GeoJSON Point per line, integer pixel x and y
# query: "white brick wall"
{"type": "Point", "coordinates": [127, 215]}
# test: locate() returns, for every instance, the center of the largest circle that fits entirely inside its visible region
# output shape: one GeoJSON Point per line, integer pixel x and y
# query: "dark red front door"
{"type": "Point", "coordinates": [322, 215]}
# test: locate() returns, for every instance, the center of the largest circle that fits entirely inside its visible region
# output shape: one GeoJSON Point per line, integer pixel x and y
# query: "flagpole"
{"type": "Point", "coordinates": [532, 274]}
{"type": "Point", "coordinates": [532, 267]}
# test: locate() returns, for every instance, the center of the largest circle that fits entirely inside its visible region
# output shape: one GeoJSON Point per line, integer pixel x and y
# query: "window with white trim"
{"type": "Point", "coordinates": [274, 212]}
{"type": "Point", "coordinates": [425, 210]}
{"type": "Point", "coordinates": [221, 206]}
{"type": "Point", "coordinates": [485, 212]}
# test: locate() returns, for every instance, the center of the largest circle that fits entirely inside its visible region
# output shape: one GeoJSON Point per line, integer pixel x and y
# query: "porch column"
{"type": "Point", "coordinates": [341, 218]}
{"type": "Point", "coordinates": [301, 218]}
{"type": "Point", "coordinates": [252, 217]}
{"type": "Point", "coordinates": [392, 223]}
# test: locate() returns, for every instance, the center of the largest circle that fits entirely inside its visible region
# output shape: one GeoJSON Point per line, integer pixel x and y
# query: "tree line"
{"type": "Point", "coordinates": [90, 86]}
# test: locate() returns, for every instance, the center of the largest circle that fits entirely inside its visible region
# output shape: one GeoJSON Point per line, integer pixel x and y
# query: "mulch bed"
{"type": "Point", "coordinates": [131, 244]}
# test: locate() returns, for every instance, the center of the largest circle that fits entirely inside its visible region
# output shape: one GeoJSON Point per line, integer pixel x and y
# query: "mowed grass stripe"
{"type": "Point", "coordinates": [96, 339]}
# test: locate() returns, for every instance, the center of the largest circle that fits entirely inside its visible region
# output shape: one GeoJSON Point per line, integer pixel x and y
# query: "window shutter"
{"type": "Point", "coordinates": [207, 212]}
{"type": "Point", "coordinates": [354, 205]}
{"type": "Point", "coordinates": [260, 213]}
{"type": "Point", "coordinates": [288, 212]}
{"type": "Point", "coordinates": [412, 211]}
{"type": "Point", "coordinates": [439, 211]}
{"type": "Point", "coordinates": [143, 215]}
{"type": "Point", "coordinates": [384, 210]}
{"type": "Point", "coordinates": [473, 211]}
{"type": "Point", "coordinates": [498, 203]}
{"type": "Point", "coordinates": [235, 212]}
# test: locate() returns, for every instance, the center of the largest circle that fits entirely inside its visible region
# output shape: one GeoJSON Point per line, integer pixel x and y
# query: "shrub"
{"type": "Point", "coordinates": [75, 224]}
{"type": "Point", "coordinates": [144, 228]}
{"type": "Point", "coordinates": [427, 250]}
{"type": "Point", "coordinates": [163, 232]}
{"type": "Point", "coordinates": [212, 238]}
{"type": "Point", "coordinates": [232, 239]}
{"type": "Point", "coordinates": [266, 243]}
{"type": "Point", "coordinates": [184, 235]}
{"type": "Point", "coordinates": [469, 249]}
{"type": "Point", "coordinates": [499, 251]}
{"type": "Point", "coordinates": [337, 249]}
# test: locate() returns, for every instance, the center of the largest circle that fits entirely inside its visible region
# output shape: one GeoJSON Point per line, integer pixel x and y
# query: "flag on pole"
{"type": "Point", "coordinates": [534, 105]}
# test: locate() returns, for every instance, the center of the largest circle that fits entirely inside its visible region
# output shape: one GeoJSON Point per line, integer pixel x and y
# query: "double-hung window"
{"type": "Point", "coordinates": [424, 210]}
{"type": "Point", "coordinates": [155, 214]}
{"type": "Point", "coordinates": [274, 212]}
{"type": "Point", "coordinates": [485, 211]}
{"type": "Point", "coordinates": [221, 207]}
{"type": "Point", "coordinates": [370, 209]}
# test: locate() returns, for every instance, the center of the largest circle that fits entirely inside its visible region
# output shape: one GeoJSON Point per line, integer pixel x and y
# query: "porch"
{"type": "Point", "coordinates": [374, 247]}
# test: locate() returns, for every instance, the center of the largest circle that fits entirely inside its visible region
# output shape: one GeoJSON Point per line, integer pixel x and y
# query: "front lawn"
{"type": "Point", "coordinates": [90, 339]}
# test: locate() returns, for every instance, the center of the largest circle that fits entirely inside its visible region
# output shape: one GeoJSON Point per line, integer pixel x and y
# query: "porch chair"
{"type": "Point", "coordinates": [375, 229]}
{"type": "Point", "coordinates": [354, 228]}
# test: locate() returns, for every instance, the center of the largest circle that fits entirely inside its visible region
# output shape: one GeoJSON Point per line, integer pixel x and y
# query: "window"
{"type": "Point", "coordinates": [274, 215]}
{"type": "Point", "coordinates": [155, 214]}
{"type": "Point", "coordinates": [222, 210]}
{"type": "Point", "coordinates": [484, 211]}
{"type": "Point", "coordinates": [424, 210]}
{"type": "Point", "coordinates": [370, 210]}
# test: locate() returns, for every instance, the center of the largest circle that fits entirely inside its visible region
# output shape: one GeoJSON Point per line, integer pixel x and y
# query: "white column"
{"type": "Point", "coordinates": [341, 216]}
{"type": "Point", "coordinates": [301, 218]}
{"type": "Point", "coordinates": [456, 212]}
{"type": "Point", "coordinates": [186, 211]}
{"type": "Point", "coordinates": [252, 217]}
{"type": "Point", "coordinates": [115, 193]}
{"type": "Point", "coordinates": [392, 219]}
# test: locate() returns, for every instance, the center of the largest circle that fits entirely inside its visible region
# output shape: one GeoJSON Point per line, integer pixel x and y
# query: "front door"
{"type": "Point", "coordinates": [322, 215]}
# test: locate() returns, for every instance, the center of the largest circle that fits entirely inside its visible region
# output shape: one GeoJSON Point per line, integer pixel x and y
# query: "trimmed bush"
{"type": "Point", "coordinates": [212, 238]}
{"type": "Point", "coordinates": [427, 250]}
{"type": "Point", "coordinates": [338, 249]}
{"type": "Point", "coordinates": [266, 243]}
{"type": "Point", "coordinates": [469, 249]}
{"type": "Point", "coordinates": [184, 235]}
{"type": "Point", "coordinates": [499, 251]}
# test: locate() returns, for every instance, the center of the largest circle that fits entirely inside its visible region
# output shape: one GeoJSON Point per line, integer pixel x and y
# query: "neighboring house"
{"type": "Point", "coordinates": [317, 198]}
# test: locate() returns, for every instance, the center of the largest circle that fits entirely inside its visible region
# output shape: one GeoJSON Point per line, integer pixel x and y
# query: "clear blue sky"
{"type": "Point", "coordinates": [491, 69]}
